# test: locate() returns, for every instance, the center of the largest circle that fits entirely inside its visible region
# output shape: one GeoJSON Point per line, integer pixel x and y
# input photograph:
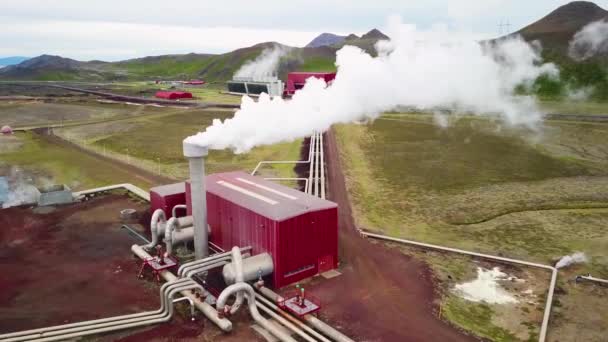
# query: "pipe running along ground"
{"type": "Point", "coordinates": [253, 309]}
{"type": "Point", "coordinates": [315, 173]}
{"type": "Point", "coordinates": [316, 323]}
{"type": "Point", "coordinates": [547, 313]}
{"type": "Point", "coordinates": [163, 314]}
{"type": "Point", "coordinates": [207, 309]}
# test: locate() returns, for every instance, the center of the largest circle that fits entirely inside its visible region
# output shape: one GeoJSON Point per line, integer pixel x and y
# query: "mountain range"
{"type": "Point", "coordinates": [6, 61]}
{"type": "Point", "coordinates": [554, 31]}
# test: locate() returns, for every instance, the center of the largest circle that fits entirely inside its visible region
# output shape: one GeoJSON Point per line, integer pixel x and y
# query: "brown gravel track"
{"type": "Point", "coordinates": [382, 295]}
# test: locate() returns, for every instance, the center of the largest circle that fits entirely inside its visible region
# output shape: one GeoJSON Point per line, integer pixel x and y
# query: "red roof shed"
{"type": "Point", "coordinates": [173, 95]}
{"type": "Point", "coordinates": [296, 80]}
{"type": "Point", "coordinates": [300, 231]}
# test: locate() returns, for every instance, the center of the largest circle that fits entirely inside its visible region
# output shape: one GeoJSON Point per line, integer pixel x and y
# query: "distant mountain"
{"type": "Point", "coordinates": [366, 42]}
{"type": "Point", "coordinates": [210, 67]}
{"type": "Point", "coordinates": [325, 39]}
{"type": "Point", "coordinates": [374, 34]}
{"type": "Point", "coordinates": [555, 30]}
{"type": "Point", "coordinates": [12, 60]}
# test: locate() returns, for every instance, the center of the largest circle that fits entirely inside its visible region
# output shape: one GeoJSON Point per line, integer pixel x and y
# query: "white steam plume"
{"type": "Point", "coordinates": [576, 258]}
{"type": "Point", "coordinates": [589, 41]}
{"type": "Point", "coordinates": [265, 64]}
{"type": "Point", "coordinates": [427, 70]}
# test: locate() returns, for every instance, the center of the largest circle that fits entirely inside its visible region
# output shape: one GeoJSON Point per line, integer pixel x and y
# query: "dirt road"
{"type": "Point", "coordinates": [382, 295]}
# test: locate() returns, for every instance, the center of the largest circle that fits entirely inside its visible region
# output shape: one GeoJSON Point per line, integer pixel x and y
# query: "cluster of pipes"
{"type": "Point", "coordinates": [237, 271]}
{"type": "Point", "coordinates": [315, 183]}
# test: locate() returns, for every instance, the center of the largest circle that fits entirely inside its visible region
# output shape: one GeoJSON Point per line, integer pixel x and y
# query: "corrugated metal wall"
{"type": "Point", "coordinates": [298, 245]}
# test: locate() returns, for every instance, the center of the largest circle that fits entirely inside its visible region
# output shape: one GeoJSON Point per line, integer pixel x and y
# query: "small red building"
{"type": "Point", "coordinates": [173, 95]}
{"type": "Point", "coordinates": [195, 82]}
{"type": "Point", "coordinates": [296, 80]}
{"type": "Point", "coordinates": [300, 231]}
{"type": "Point", "coordinates": [166, 197]}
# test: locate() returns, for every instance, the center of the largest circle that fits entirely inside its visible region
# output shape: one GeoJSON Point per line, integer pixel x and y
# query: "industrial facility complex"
{"type": "Point", "coordinates": [220, 242]}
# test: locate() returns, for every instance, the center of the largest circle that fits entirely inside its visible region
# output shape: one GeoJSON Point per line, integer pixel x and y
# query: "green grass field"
{"type": "Point", "coordinates": [159, 138]}
{"type": "Point", "coordinates": [58, 164]}
{"type": "Point", "coordinates": [28, 113]}
{"type": "Point", "coordinates": [478, 186]}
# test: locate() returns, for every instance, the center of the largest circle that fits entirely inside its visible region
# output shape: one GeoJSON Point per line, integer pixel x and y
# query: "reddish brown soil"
{"type": "Point", "coordinates": [71, 264]}
{"type": "Point", "coordinates": [382, 295]}
{"type": "Point", "coordinates": [75, 263]}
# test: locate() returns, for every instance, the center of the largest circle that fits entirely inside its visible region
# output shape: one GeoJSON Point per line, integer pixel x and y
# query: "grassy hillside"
{"type": "Point", "coordinates": [212, 68]}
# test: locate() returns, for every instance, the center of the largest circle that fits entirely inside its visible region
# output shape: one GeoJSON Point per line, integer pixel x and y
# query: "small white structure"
{"type": "Point", "coordinates": [254, 86]}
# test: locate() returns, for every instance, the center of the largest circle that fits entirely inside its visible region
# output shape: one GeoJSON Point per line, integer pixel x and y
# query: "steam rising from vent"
{"type": "Point", "coordinates": [576, 258]}
{"type": "Point", "coordinates": [590, 41]}
{"type": "Point", "coordinates": [266, 64]}
{"type": "Point", "coordinates": [426, 70]}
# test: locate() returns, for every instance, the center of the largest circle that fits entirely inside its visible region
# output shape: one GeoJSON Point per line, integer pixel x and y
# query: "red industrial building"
{"type": "Point", "coordinates": [166, 197]}
{"type": "Point", "coordinates": [173, 95]}
{"type": "Point", "coordinates": [195, 82]}
{"type": "Point", "coordinates": [298, 230]}
{"type": "Point", "coordinates": [296, 80]}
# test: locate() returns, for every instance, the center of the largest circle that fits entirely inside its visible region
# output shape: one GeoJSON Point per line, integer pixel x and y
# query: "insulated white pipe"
{"type": "Point", "coordinates": [158, 319]}
{"type": "Point", "coordinates": [207, 309]}
{"type": "Point", "coordinates": [157, 224]}
{"type": "Point", "coordinates": [317, 155]}
{"type": "Point", "coordinates": [252, 268]}
{"type": "Point", "coordinates": [253, 310]}
{"type": "Point", "coordinates": [163, 290]}
{"type": "Point", "coordinates": [283, 321]}
{"type": "Point", "coordinates": [590, 278]}
{"type": "Point", "coordinates": [237, 261]}
{"type": "Point", "coordinates": [195, 155]}
{"type": "Point", "coordinates": [178, 206]}
{"type": "Point", "coordinates": [300, 325]}
{"type": "Point", "coordinates": [321, 326]}
{"type": "Point", "coordinates": [185, 267]}
{"type": "Point", "coordinates": [322, 167]}
{"type": "Point", "coordinates": [108, 324]}
{"type": "Point", "coordinates": [129, 187]}
{"type": "Point", "coordinates": [545, 324]}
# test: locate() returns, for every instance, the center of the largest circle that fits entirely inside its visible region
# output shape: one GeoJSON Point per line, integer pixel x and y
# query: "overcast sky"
{"type": "Point", "coordinates": [120, 29]}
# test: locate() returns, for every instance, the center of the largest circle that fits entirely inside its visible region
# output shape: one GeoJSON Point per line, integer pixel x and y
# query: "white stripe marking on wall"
{"type": "Point", "coordinates": [267, 189]}
{"type": "Point", "coordinates": [247, 192]}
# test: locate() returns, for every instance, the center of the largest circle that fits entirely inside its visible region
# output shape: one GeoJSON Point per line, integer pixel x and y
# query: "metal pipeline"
{"type": "Point", "coordinates": [109, 324]}
{"type": "Point", "coordinates": [284, 315]}
{"type": "Point", "coordinates": [254, 267]}
{"type": "Point", "coordinates": [253, 310]}
{"type": "Point", "coordinates": [157, 227]}
{"type": "Point", "coordinates": [321, 326]}
{"type": "Point", "coordinates": [237, 261]}
{"type": "Point", "coordinates": [590, 278]}
{"type": "Point", "coordinates": [545, 324]}
{"type": "Point", "coordinates": [283, 321]}
{"type": "Point", "coordinates": [180, 299]}
{"type": "Point", "coordinates": [126, 186]}
{"type": "Point", "coordinates": [207, 309]}
{"type": "Point", "coordinates": [179, 206]}
{"type": "Point", "coordinates": [187, 266]}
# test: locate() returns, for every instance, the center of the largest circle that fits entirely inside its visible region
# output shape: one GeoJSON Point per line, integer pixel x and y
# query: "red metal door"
{"type": "Point", "coordinates": [326, 263]}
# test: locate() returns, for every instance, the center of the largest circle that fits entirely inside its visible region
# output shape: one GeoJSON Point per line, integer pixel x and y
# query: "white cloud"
{"type": "Point", "coordinates": [115, 40]}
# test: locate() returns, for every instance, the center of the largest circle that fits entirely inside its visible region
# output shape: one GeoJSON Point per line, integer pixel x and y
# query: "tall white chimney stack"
{"type": "Point", "coordinates": [198, 193]}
